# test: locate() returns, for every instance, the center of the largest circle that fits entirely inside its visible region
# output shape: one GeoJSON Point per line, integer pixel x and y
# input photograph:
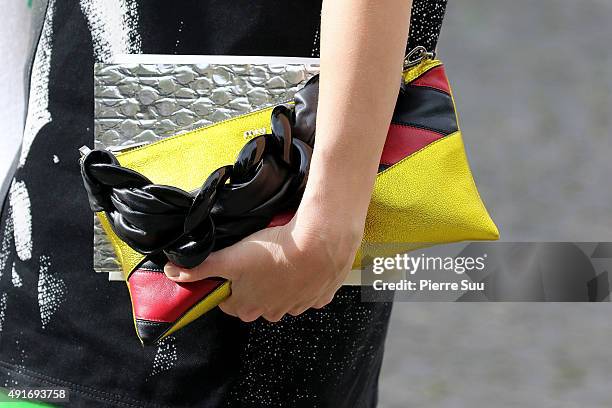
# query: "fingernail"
{"type": "Point", "coordinates": [172, 271]}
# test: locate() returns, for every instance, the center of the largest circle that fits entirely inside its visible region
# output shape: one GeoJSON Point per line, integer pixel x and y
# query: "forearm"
{"type": "Point", "coordinates": [362, 47]}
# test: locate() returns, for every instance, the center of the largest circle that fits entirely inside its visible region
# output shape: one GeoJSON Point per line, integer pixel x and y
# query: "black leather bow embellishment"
{"type": "Point", "coordinates": [268, 177]}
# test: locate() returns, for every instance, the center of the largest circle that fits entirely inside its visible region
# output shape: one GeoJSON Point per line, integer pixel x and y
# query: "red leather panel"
{"type": "Point", "coordinates": [157, 298]}
{"type": "Point", "coordinates": [403, 140]}
{"type": "Point", "coordinates": [434, 78]}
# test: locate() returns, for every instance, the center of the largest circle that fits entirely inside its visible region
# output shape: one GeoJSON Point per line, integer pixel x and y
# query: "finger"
{"type": "Point", "coordinates": [228, 308]}
{"type": "Point", "coordinates": [245, 313]}
{"type": "Point", "coordinates": [226, 263]}
{"type": "Point", "coordinates": [273, 317]}
{"type": "Point", "coordinates": [327, 295]}
{"type": "Point", "coordinates": [248, 315]}
{"type": "Point", "coordinates": [324, 301]}
{"type": "Point", "coordinates": [303, 306]}
{"type": "Point", "coordinates": [298, 310]}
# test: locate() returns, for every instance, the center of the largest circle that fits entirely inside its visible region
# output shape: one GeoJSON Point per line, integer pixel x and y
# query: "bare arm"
{"type": "Point", "coordinates": [362, 50]}
{"type": "Point", "coordinates": [300, 265]}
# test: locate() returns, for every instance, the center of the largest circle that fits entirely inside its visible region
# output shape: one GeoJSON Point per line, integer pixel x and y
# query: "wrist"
{"type": "Point", "coordinates": [333, 230]}
{"type": "Point", "coordinates": [334, 204]}
{"type": "Point", "coordinates": [333, 209]}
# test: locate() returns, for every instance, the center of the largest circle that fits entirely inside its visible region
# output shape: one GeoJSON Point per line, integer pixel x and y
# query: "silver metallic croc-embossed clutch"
{"type": "Point", "coordinates": [140, 99]}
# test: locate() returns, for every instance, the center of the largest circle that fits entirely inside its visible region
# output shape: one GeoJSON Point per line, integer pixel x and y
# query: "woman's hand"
{"type": "Point", "coordinates": [280, 270]}
{"type": "Point", "coordinates": [291, 268]}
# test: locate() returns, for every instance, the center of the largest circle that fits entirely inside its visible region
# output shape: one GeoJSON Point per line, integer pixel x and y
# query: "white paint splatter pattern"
{"type": "Point", "coordinates": [7, 241]}
{"type": "Point", "coordinates": [51, 291]}
{"type": "Point", "coordinates": [19, 365]}
{"type": "Point", "coordinates": [19, 200]}
{"type": "Point", "coordinates": [114, 27]}
{"type": "Point", "coordinates": [15, 278]}
{"type": "Point", "coordinates": [166, 356]}
{"type": "Point", "coordinates": [38, 101]}
{"type": "Point", "coordinates": [2, 310]}
{"type": "Point", "coordinates": [315, 45]}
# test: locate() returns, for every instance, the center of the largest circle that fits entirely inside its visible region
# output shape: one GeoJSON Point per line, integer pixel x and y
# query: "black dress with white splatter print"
{"type": "Point", "coordinates": [63, 326]}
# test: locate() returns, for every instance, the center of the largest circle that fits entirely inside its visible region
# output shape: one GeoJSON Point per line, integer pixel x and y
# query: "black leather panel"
{"type": "Point", "coordinates": [425, 108]}
{"type": "Point", "coordinates": [149, 331]}
{"type": "Point", "coordinates": [383, 167]}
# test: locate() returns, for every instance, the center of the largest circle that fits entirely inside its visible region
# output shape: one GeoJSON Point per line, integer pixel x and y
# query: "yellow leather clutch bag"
{"type": "Point", "coordinates": [424, 192]}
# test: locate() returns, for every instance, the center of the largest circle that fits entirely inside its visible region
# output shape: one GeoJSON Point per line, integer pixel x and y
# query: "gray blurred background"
{"type": "Point", "coordinates": [533, 87]}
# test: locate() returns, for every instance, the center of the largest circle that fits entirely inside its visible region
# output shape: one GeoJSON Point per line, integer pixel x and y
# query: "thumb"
{"type": "Point", "coordinates": [226, 263]}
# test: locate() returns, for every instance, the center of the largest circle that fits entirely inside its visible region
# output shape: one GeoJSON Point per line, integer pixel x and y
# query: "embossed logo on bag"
{"type": "Point", "coordinates": [251, 133]}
